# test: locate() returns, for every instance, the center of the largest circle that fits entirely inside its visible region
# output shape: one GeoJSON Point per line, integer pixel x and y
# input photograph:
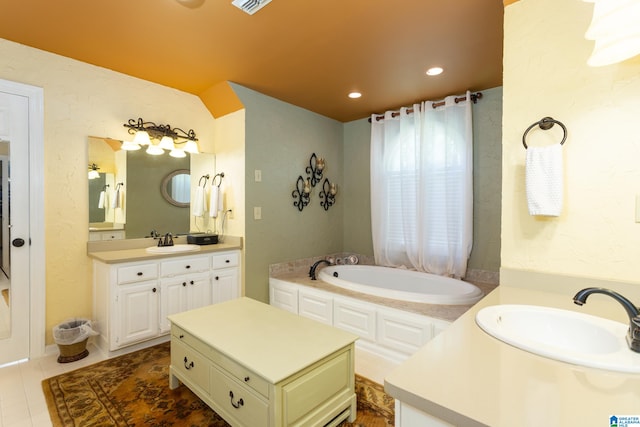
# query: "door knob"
{"type": "Point", "coordinates": [17, 242]}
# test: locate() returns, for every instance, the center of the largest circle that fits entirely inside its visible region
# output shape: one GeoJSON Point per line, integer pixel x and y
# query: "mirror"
{"type": "Point", "coordinates": [141, 192]}
{"type": "Point", "coordinates": [175, 188]}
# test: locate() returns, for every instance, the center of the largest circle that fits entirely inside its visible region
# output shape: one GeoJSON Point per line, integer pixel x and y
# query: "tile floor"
{"type": "Point", "coordinates": [22, 402]}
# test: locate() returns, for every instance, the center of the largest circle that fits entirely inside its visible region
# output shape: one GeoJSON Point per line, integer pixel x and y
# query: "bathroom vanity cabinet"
{"type": "Point", "coordinates": [302, 375]}
{"type": "Point", "coordinates": [133, 299]}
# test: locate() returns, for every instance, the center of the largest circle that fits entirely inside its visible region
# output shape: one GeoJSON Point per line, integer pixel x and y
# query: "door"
{"type": "Point", "coordinates": [14, 199]}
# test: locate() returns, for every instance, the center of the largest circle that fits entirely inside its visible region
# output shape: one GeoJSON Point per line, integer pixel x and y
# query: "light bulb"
{"type": "Point", "coordinates": [166, 143]}
{"type": "Point", "coordinates": [178, 153]}
{"type": "Point", "coordinates": [129, 146]}
{"type": "Point", "coordinates": [191, 147]}
{"type": "Point", "coordinates": [142, 138]}
{"type": "Point", "coordinates": [154, 150]}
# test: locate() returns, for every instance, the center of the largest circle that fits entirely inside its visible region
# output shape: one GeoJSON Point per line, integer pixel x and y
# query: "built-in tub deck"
{"type": "Point", "coordinates": [443, 312]}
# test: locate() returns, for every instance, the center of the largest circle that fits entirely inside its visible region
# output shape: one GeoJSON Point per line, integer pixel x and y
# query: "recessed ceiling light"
{"type": "Point", "coordinates": [355, 95]}
{"type": "Point", "coordinates": [434, 71]}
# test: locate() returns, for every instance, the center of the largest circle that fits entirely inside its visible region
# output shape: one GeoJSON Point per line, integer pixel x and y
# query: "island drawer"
{"type": "Point", "coordinates": [137, 273]}
{"type": "Point", "coordinates": [240, 373]}
{"type": "Point", "coordinates": [190, 364]}
{"type": "Point", "coordinates": [238, 401]}
{"type": "Point", "coordinates": [184, 265]}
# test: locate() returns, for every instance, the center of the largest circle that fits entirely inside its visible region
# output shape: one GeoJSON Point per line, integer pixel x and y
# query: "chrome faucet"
{"type": "Point", "coordinates": [167, 241]}
{"type": "Point", "coordinates": [312, 270]}
{"type": "Point", "coordinates": [633, 335]}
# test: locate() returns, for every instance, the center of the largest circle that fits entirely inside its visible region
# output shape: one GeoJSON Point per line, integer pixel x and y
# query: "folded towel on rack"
{"type": "Point", "coordinates": [198, 202]}
{"type": "Point", "coordinates": [101, 201]}
{"type": "Point", "coordinates": [214, 201]}
{"type": "Point", "coordinates": [544, 180]}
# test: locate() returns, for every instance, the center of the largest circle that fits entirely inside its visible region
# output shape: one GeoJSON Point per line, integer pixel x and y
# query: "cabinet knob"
{"type": "Point", "coordinates": [181, 336]}
{"type": "Point", "coordinates": [217, 278]}
{"type": "Point", "coordinates": [140, 273]}
{"type": "Point", "coordinates": [191, 282]}
{"type": "Point", "coordinates": [187, 266]}
{"type": "Point", "coordinates": [154, 290]}
{"type": "Point", "coordinates": [184, 283]}
{"type": "Point", "coordinates": [227, 261]}
{"type": "Point", "coordinates": [246, 379]}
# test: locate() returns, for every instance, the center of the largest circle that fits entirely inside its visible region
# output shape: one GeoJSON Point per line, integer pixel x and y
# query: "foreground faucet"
{"type": "Point", "coordinates": [167, 241]}
{"type": "Point", "coordinates": [633, 335]}
{"type": "Point", "coordinates": [312, 270]}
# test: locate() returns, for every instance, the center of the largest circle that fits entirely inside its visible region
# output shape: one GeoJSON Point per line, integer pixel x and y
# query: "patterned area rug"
{"type": "Point", "coordinates": [133, 390]}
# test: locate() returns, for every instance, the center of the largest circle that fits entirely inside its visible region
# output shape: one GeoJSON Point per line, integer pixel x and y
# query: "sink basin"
{"type": "Point", "coordinates": [568, 336]}
{"type": "Point", "coordinates": [172, 249]}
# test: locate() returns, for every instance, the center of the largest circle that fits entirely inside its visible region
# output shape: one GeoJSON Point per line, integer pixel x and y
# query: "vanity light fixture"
{"type": "Point", "coordinates": [615, 30]}
{"type": "Point", "coordinates": [159, 138]}
{"type": "Point", "coordinates": [93, 171]}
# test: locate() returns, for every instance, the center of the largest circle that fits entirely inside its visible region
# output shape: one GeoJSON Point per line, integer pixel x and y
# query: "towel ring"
{"type": "Point", "coordinates": [213, 181]}
{"type": "Point", "coordinates": [206, 178]}
{"type": "Point", "coordinates": [545, 123]}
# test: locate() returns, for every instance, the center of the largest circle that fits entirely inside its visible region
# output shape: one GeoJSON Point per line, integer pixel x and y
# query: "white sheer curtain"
{"type": "Point", "coordinates": [422, 188]}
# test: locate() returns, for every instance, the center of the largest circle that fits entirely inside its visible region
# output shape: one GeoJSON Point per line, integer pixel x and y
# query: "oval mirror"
{"type": "Point", "coordinates": [176, 188]}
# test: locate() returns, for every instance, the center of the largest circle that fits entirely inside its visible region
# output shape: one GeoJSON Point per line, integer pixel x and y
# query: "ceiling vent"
{"type": "Point", "coordinates": [250, 6]}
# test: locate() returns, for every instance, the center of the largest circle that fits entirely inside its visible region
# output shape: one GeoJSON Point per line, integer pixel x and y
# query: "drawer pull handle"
{"type": "Point", "coordinates": [187, 366]}
{"type": "Point", "coordinates": [181, 336]}
{"type": "Point", "coordinates": [140, 273]}
{"type": "Point", "coordinates": [246, 379]}
{"type": "Point", "coordinates": [188, 266]}
{"type": "Point", "coordinates": [227, 261]}
{"type": "Point", "coordinates": [235, 405]}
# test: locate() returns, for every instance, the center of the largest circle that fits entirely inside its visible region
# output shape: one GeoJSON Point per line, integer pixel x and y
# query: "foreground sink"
{"type": "Point", "coordinates": [172, 249]}
{"type": "Point", "coordinates": [562, 335]}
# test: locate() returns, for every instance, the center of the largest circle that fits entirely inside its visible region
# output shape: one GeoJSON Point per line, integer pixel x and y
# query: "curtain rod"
{"type": "Point", "coordinates": [474, 99]}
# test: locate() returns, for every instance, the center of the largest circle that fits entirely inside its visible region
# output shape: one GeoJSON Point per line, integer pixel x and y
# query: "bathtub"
{"type": "Point", "coordinates": [399, 284]}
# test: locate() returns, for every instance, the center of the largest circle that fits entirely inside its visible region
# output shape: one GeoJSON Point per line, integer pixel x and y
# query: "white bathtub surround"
{"type": "Point", "coordinates": [369, 316]}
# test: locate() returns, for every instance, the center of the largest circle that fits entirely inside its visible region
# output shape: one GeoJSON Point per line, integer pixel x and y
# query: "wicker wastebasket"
{"type": "Point", "coordinates": [71, 338]}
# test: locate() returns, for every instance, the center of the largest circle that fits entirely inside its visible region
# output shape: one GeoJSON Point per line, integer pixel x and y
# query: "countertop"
{"type": "Point", "coordinates": [468, 378]}
{"type": "Point", "coordinates": [241, 328]}
{"type": "Point", "coordinates": [133, 250]}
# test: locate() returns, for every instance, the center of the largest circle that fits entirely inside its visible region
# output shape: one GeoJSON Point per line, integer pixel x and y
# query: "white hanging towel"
{"type": "Point", "coordinates": [214, 201]}
{"type": "Point", "coordinates": [544, 180]}
{"type": "Point", "coordinates": [101, 200]}
{"type": "Point", "coordinates": [115, 199]}
{"type": "Point", "coordinates": [198, 202]}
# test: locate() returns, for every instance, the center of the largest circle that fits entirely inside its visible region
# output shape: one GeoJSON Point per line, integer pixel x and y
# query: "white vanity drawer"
{"type": "Point", "coordinates": [238, 401]}
{"type": "Point", "coordinates": [137, 273]}
{"type": "Point", "coordinates": [190, 364]}
{"type": "Point", "coordinates": [224, 260]}
{"type": "Point", "coordinates": [184, 265]}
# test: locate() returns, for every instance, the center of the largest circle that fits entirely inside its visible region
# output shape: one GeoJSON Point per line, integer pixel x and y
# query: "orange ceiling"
{"type": "Point", "coordinates": [310, 53]}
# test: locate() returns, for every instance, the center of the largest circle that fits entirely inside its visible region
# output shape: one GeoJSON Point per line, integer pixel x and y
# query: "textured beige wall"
{"type": "Point", "coordinates": [82, 100]}
{"type": "Point", "coordinates": [546, 74]}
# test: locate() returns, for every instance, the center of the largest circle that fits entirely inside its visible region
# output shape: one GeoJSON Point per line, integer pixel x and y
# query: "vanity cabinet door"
{"type": "Point", "coordinates": [225, 285]}
{"type": "Point", "coordinates": [137, 313]}
{"type": "Point", "coordinates": [182, 294]}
